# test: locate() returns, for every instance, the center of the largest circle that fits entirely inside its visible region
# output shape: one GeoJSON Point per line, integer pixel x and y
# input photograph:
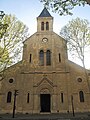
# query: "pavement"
{"type": "Point", "coordinates": [59, 116]}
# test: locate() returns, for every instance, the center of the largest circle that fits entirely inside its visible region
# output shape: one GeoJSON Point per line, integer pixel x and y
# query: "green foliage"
{"type": "Point", "coordinates": [4, 58]}
{"type": "Point", "coordinates": [77, 34]}
{"type": "Point", "coordinates": [63, 7]}
{"type": "Point", "coordinates": [3, 27]}
{"type": "Point", "coordinates": [11, 40]}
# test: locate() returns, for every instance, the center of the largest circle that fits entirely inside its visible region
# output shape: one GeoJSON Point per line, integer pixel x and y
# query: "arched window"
{"type": "Point", "coordinates": [28, 98]}
{"type": "Point", "coordinates": [48, 57]}
{"type": "Point", "coordinates": [81, 96]}
{"type": "Point", "coordinates": [9, 95]}
{"type": "Point", "coordinates": [42, 25]}
{"type": "Point", "coordinates": [30, 59]}
{"type": "Point", "coordinates": [62, 98]}
{"type": "Point", "coordinates": [41, 57]}
{"type": "Point", "coordinates": [47, 25]}
{"type": "Point", "coordinates": [59, 57]}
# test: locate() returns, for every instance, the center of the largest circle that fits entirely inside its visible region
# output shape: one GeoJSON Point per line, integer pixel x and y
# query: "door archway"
{"type": "Point", "coordinates": [45, 102]}
{"type": "Point", "coordinates": [45, 92]}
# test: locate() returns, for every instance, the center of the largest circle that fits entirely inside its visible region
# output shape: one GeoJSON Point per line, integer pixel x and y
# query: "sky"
{"type": "Point", "coordinates": [28, 10]}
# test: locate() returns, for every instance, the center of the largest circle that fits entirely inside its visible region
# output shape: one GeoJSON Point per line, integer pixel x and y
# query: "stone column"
{"type": "Point", "coordinates": [54, 104]}
{"type": "Point", "coordinates": [36, 104]}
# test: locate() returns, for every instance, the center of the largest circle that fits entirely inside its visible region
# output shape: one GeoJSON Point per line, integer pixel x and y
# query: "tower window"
{"type": "Point", "coordinates": [30, 59]}
{"type": "Point", "coordinates": [62, 97]}
{"type": "Point", "coordinates": [47, 25]}
{"type": "Point", "coordinates": [59, 57]}
{"type": "Point", "coordinates": [48, 57]}
{"type": "Point", "coordinates": [41, 57]}
{"type": "Point", "coordinates": [9, 95]}
{"type": "Point", "coordinates": [81, 96]}
{"type": "Point", "coordinates": [28, 98]}
{"type": "Point", "coordinates": [42, 25]}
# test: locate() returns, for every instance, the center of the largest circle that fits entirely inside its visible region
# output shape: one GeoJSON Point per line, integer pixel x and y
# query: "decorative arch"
{"type": "Point", "coordinates": [44, 89]}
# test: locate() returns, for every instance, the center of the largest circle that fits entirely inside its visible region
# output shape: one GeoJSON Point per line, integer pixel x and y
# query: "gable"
{"type": "Point", "coordinates": [44, 81]}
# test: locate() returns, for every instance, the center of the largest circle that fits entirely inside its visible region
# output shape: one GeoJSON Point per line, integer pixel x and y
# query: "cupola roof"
{"type": "Point", "coordinates": [45, 13]}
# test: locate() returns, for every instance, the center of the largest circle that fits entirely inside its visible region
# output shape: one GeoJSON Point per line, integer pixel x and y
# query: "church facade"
{"type": "Point", "coordinates": [46, 81]}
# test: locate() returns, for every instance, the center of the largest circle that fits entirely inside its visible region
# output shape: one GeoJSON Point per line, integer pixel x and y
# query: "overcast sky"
{"type": "Point", "coordinates": [28, 10]}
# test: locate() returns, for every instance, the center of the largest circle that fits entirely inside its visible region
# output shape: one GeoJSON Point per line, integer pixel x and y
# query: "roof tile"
{"type": "Point", "coordinates": [45, 13]}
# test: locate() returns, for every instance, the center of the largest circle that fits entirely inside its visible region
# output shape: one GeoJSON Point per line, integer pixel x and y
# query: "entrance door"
{"type": "Point", "coordinates": [45, 102]}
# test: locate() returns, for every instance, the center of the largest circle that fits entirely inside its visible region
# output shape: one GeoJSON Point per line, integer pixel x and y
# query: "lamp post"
{"type": "Point", "coordinates": [14, 105]}
{"type": "Point", "coordinates": [72, 105]}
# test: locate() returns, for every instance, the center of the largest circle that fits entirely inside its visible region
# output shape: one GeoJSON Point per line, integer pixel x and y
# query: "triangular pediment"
{"type": "Point", "coordinates": [45, 81]}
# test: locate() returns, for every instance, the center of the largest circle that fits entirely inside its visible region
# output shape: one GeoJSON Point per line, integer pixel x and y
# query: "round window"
{"type": "Point", "coordinates": [10, 80]}
{"type": "Point", "coordinates": [79, 79]}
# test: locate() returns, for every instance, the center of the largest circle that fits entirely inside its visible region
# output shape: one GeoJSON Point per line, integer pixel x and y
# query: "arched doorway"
{"type": "Point", "coordinates": [45, 102]}
{"type": "Point", "coordinates": [45, 91]}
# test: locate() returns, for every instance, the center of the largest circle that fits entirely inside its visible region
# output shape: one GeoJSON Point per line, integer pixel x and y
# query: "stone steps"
{"type": "Point", "coordinates": [45, 117]}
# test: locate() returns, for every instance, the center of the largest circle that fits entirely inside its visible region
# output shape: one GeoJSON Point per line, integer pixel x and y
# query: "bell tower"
{"type": "Point", "coordinates": [44, 21]}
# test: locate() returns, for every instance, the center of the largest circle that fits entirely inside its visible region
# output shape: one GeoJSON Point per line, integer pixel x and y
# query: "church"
{"type": "Point", "coordinates": [45, 80]}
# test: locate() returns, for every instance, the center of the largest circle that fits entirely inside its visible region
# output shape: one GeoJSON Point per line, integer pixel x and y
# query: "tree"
{"type": "Point", "coordinates": [64, 7]}
{"type": "Point", "coordinates": [11, 40]}
{"type": "Point", "coordinates": [77, 34]}
{"type": "Point", "coordinates": [3, 27]}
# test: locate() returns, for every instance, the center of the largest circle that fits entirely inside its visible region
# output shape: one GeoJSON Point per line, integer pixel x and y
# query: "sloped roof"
{"type": "Point", "coordinates": [44, 13]}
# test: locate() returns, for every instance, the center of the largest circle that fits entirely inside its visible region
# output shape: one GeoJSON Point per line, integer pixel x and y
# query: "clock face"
{"type": "Point", "coordinates": [44, 39]}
